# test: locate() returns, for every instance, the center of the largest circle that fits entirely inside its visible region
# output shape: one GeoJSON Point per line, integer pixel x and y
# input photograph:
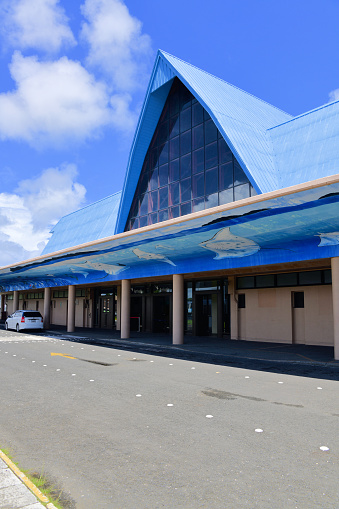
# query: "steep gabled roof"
{"type": "Point", "coordinates": [241, 118]}
{"type": "Point", "coordinates": [96, 221]}
{"type": "Point", "coordinates": [307, 147]}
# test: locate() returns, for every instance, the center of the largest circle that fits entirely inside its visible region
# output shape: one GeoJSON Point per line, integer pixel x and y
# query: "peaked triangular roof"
{"type": "Point", "coordinates": [241, 118]}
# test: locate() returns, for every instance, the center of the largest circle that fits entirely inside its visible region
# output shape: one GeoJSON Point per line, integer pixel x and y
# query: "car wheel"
{"type": "Point", "coordinates": [17, 328]}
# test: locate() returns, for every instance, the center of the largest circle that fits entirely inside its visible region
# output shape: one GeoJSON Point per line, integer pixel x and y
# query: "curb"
{"type": "Point", "coordinates": [26, 481]}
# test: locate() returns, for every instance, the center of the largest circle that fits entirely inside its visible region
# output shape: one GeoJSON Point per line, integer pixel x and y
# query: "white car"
{"type": "Point", "coordinates": [24, 319]}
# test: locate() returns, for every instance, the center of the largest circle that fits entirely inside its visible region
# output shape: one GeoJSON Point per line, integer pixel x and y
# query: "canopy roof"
{"type": "Point", "coordinates": [294, 224]}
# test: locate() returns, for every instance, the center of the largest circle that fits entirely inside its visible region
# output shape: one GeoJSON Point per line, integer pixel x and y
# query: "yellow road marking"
{"type": "Point", "coordinates": [24, 478]}
{"type": "Point", "coordinates": [63, 355]}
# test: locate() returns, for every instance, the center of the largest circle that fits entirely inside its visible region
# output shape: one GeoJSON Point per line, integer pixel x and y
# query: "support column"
{"type": "Point", "coordinates": [178, 309]}
{"type": "Point", "coordinates": [15, 301]}
{"type": "Point", "coordinates": [47, 308]}
{"type": "Point", "coordinates": [335, 299]}
{"type": "Point", "coordinates": [233, 308]}
{"type": "Point", "coordinates": [125, 308]}
{"type": "Point", "coordinates": [2, 308]}
{"type": "Point", "coordinates": [71, 309]}
{"type": "Point", "coordinates": [118, 324]}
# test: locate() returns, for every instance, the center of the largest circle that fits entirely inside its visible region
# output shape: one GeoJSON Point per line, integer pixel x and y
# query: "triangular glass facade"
{"type": "Point", "coordinates": [188, 166]}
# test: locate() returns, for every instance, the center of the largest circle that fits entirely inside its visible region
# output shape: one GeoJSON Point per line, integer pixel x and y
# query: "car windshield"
{"type": "Point", "coordinates": [31, 314]}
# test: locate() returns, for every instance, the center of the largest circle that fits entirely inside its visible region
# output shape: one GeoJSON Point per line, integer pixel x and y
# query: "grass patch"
{"type": "Point", "coordinates": [46, 485]}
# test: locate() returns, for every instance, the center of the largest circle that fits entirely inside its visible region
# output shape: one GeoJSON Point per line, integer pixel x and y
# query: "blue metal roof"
{"type": "Point", "coordinates": [93, 222]}
{"type": "Point", "coordinates": [241, 118]}
{"type": "Point", "coordinates": [307, 147]}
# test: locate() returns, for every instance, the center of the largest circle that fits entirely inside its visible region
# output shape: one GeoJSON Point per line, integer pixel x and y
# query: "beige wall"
{"type": "Point", "coordinates": [268, 315]}
{"type": "Point", "coordinates": [58, 311]}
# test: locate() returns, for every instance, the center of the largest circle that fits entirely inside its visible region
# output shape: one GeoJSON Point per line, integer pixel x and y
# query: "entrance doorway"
{"type": "Point", "coordinates": [161, 313]}
{"type": "Point", "coordinates": [206, 312]}
{"type": "Point", "coordinates": [107, 312]}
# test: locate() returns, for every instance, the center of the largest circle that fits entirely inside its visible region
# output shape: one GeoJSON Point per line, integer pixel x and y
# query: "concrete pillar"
{"type": "Point", "coordinates": [2, 307]}
{"type": "Point", "coordinates": [335, 298]}
{"type": "Point", "coordinates": [118, 324]}
{"type": "Point", "coordinates": [233, 308]}
{"type": "Point", "coordinates": [125, 308]}
{"type": "Point", "coordinates": [47, 308]}
{"type": "Point", "coordinates": [178, 309]}
{"type": "Point", "coordinates": [15, 300]}
{"type": "Point", "coordinates": [71, 309]}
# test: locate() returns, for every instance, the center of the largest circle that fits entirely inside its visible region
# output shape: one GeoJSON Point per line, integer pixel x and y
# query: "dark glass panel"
{"type": "Point", "coordinates": [185, 190]}
{"type": "Point", "coordinates": [225, 154]}
{"type": "Point", "coordinates": [211, 132]}
{"type": "Point", "coordinates": [211, 185]}
{"type": "Point", "coordinates": [154, 141]}
{"type": "Point", "coordinates": [197, 114]}
{"type": "Point", "coordinates": [154, 179]}
{"type": "Point", "coordinates": [174, 212]}
{"type": "Point", "coordinates": [145, 166]}
{"type": "Point", "coordinates": [165, 113]}
{"type": "Point", "coordinates": [134, 223]}
{"type": "Point", "coordinates": [174, 170]}
{"type": "Point", "coordinates": [198, 162]}
{"type": "Point", "coordinates": [198, 185]}
{"type": "Point", "coordinates": [327, 276]}
{"type": "Point", "coordinates": [174, 103]}
{"type": "Point", "coordinates": [186, 98]}
{"type": "Point", "coordinates": [185, 166]}
{"type": "Point", "coordinates": [163, 154]}
{"type": "Point", "coordinates": [174, 148]}
{"type": "Point", "coordinates": [153, 201]}
{"type": "Point", "coordinates": [206, 115]}
{"type": "Point", "coordinates": [185, 120]}
{"type": "Point", "coordinates": [241, 192]}
{"type": "Point", "coordinates": [186, 208]}
{"type": "Point", "coordinates": [163, 133]}
{"type": "Point", "coordinates": [298, 299]}
{"type": "Point", "coordinates": [134, 207]}
{"type": "Point", "coordinates": [198, 136]}
{"type": "Point", "coordinates": [198, 204]}
{"type": "Point", "coordinates": [265, 281]}
{"type": "Point", "coordinates": [226, 196]}
{"type": "Point", "coordinates": [241, 301]}
{"type": "Point", "coordinates": [225, 176]}
{"type": "Point", "coordinates": [211, 155]}
{"type": "Point", "coordinates": [163, 175]}
{"type": "Point", "coordinates": [143, 204]}
{"type": "Point", "coordinates": [253, 192]}
{"type": "Point", "coordinates": [239, 175]}
{"type": "Point", "coordinates": [142, 221]}
{"type": "Point", "coordinates": [174, 197]}
{"type": "Point", "coordinates": [154, 158]}
{"type": "Point", "coordinates": [185, 143]}
{"type": "Point", "coordinates": [174, 126]}
{"type": "Point", "coordinates": [153, 218]}
{"type": "Point", "coordinates": [163, 198]}
{"type": "Point", "coordinates": [245, 282]}
{"type": "Point", "coordinates": [163, 215]}
{"type": "Point", "coordinates": [211, 201]}
{"type": "Point", "coordinates": [289, 279]}
{"type": "Point", "coordinates": [310, 278]}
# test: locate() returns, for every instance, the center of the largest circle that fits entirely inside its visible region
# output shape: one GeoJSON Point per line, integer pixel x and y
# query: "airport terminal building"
{"type": "Point", "coordinates": [227, 225]}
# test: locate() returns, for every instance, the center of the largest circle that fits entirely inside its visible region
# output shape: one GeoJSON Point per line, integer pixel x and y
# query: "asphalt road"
{"type": "Point", "coordinates": [122, 430]}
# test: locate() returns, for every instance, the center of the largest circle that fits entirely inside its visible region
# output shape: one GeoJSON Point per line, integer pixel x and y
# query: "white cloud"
{"type": "Point", "coordinates": [116, 42]}
{"type": "Point", "coordinates": [27, 215]}
{"type": "Point", "coordinates": [334, 95]}
{"type": "Point", "coordinates": [53, 102]}
{"type": "Point", "coordinates": [37, 24]}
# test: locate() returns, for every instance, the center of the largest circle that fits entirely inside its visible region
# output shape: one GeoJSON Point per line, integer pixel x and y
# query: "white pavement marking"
{"type": "Point", "coordinates": [138, 395]}
{"type": "Point", "coordinates": [209, 416]}
{"type": "Point", "coordinates": [324, 448]}
{"type": "Point", "coordinates": [259, 430]}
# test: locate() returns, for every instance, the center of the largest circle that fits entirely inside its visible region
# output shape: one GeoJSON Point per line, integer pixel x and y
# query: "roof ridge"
{"type": "Point", "coordinates": [326, 105]}
{"type": "Point", "coordinates": [227, 83]}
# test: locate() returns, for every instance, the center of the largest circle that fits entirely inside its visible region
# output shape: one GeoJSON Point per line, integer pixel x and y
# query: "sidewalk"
{"type": "Point", "coordinates": [14, 494]}
{"type": "Point", "coordinates": [300, 360]}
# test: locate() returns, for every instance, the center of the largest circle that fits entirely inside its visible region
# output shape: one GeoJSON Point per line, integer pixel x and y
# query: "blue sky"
{"type": "Point", "coordinates": [74, 74]}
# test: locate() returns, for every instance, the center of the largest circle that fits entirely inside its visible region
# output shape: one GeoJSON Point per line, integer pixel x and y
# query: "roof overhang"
{"type": "Point", "coordinates": [294, 224]}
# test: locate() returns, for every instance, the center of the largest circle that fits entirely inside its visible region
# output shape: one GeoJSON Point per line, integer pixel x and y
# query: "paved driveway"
{"type": "Point", "coordinates": [118, 429]}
